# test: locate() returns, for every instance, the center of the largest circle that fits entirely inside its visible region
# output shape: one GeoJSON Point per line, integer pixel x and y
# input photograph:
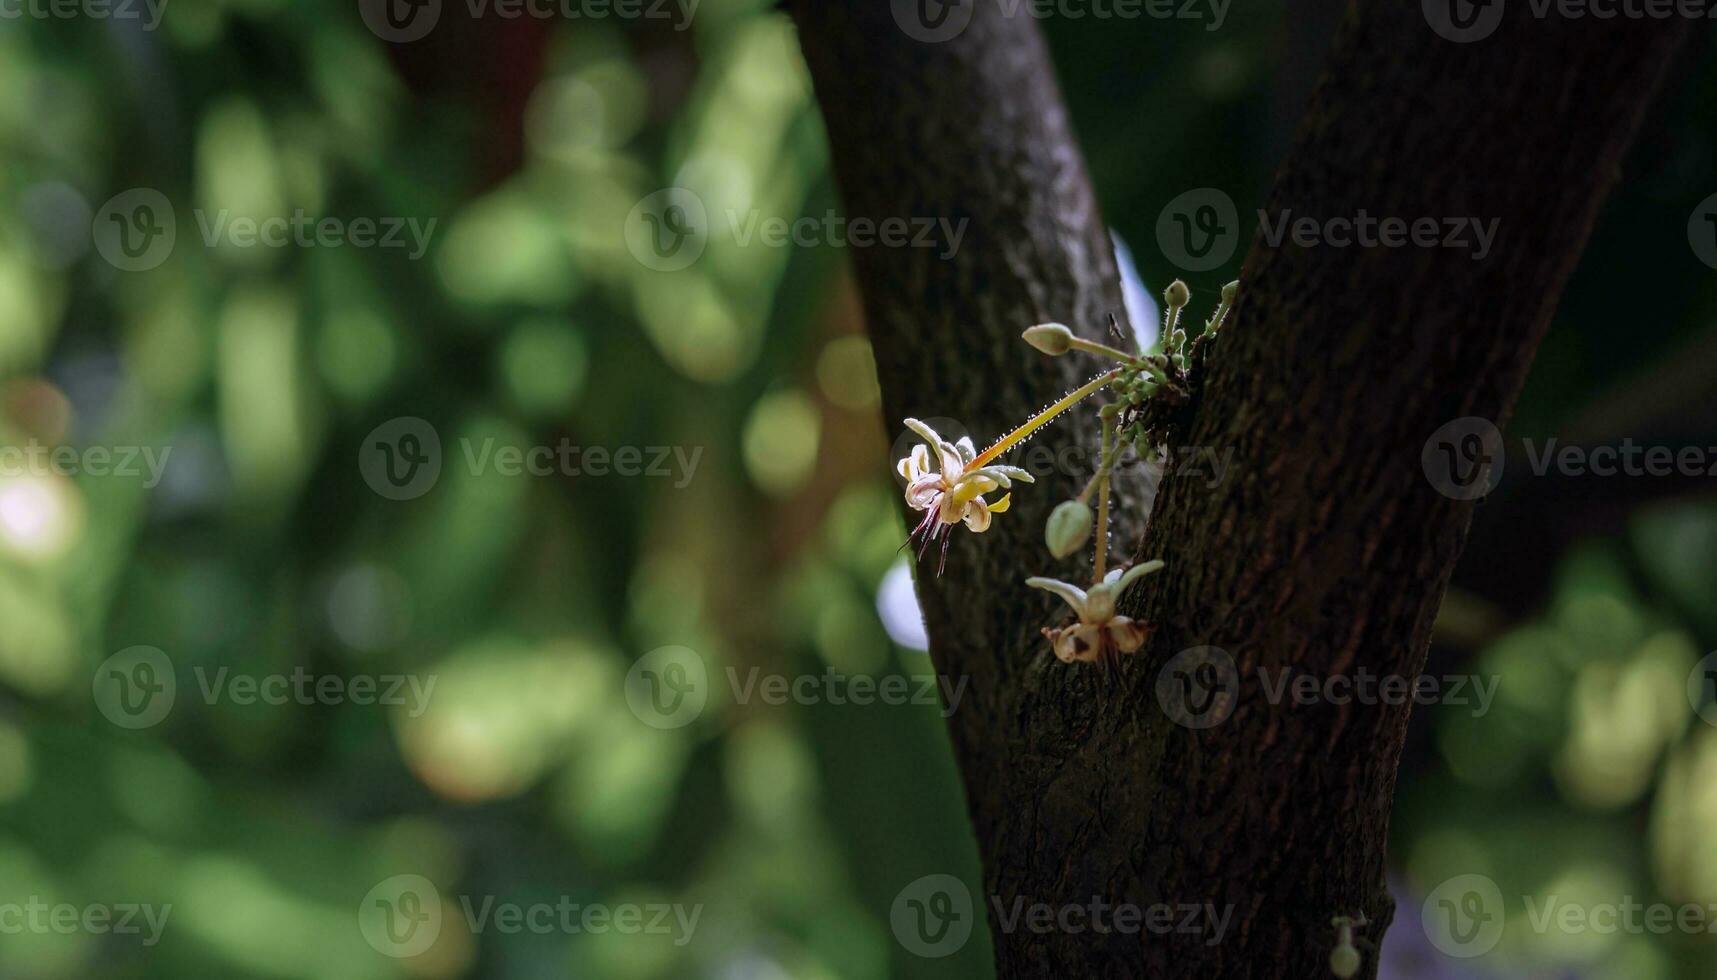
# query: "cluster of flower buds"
{"type": "Point", "coordinates": [947, 481]}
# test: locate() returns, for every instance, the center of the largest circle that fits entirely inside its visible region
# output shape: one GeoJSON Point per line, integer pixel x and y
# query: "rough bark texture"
{"type": "Point", "coordinates": [1325, 550]}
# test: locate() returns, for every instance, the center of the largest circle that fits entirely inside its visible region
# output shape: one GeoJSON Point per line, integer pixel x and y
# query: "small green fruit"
{"type": "Point", "coordinates": [1344, 962]}
{"type": "Point", "coordinates": [1053, 339]}
{"type": "Point", "coordinates": [1068, 529]}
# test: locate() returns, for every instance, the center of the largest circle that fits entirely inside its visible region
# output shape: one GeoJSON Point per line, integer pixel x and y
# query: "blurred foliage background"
{"type": "Point", "coordinates": [528, 321]}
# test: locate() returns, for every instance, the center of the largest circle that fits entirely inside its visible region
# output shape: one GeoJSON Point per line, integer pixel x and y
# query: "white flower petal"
{"type": "Point", "coordinates": [1073, 595]}
{"type": "Point", "coordinates": [978, 516]}
{"type": "Point", "coordinates": [924, 431]}
{"type": "Point", "coordinates": [1137, 571]}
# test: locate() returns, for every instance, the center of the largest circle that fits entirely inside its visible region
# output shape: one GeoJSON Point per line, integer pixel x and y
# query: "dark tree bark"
{"type": "Point", "coordinates": [1325, 550]}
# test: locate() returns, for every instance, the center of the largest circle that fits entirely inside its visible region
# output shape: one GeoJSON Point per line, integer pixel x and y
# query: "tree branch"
{"type": "Point", "coordinates": [1325, 551]}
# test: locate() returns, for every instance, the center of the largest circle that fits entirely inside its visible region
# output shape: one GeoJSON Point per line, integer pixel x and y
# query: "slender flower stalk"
{"type": "Point", "coordinates": [1102, 350]}
{"type": "Point", "coordinates": [1044, 417]}
{"type": "Point", "coordinates": [1103, 506]}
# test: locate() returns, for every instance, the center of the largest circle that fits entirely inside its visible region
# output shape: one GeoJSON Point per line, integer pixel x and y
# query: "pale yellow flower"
{"type": "Point", "coordinates": [952, 490]}
{"type": "Point", "coordinates": [1099, 634]}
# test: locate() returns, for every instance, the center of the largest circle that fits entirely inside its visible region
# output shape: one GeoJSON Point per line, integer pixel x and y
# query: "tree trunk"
{"type": "Point", "coordinates": [1325, 550]}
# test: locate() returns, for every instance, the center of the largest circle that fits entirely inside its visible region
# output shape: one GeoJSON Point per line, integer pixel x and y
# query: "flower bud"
{"type": "Point", "coordinates": [1177, 294]}
{"type": "Point", "coordinates": [1068, 529]}
{"type": "Point", "coordinates": [1344, 961]}
{"type": "Point", "coordinates": [1053, 339]}
{"type": "Point", "coordinates": [1230, 291]}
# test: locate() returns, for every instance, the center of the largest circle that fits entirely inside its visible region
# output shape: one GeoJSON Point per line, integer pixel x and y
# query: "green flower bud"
{"type": "Point", "coordinates": [1230, 291]}
{"type": "Point", "coordinates": [1344, 962]}
{"type": "Point", "coordinates": [1068, 529]}
{"type": "Point", "coordinates": [1053, 339]}
{"type": "Point", "coordinates": [1177, 294]}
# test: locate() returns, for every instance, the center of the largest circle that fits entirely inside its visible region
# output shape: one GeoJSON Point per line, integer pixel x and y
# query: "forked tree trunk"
{"type": "Point", "coordinates": [1326, 549]}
